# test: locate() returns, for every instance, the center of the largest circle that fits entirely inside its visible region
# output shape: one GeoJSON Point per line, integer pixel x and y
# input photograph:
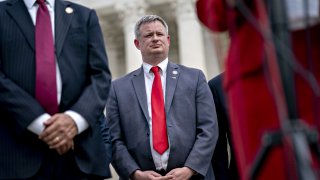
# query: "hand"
{"type": "Point", "coordinates": [181, 173]}
{"type": "Point", "coordinates": [65, 148]}
{"type": "Point", "coordinates": [148, 175]}
{"type": "Point", "coordinates": [59, 131]}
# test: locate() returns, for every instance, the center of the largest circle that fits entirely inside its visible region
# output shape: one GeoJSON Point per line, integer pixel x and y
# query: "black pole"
{"type": "Point", "coordinates": [282, 42]}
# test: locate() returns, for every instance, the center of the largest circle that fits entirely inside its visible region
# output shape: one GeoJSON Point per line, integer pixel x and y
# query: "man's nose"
{"type": "Point", "coordinates": [155, 37]}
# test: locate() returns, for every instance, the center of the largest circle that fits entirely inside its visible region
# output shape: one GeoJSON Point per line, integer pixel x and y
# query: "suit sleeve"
{"type": "Point", "coordinates": [17, 103]}
{"type": "Point", "coordinates": [199, 158]}
{"type": "Point", "coordinates": [105, 132]}
{"type": "Point", "coordinates": [122, 161]}
{"type": "Point", "coordinates": [94, 96]}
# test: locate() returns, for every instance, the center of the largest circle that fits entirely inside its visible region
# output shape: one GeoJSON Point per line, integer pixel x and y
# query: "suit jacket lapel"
{"type": "Point", "coordinates": [21, 16]}
{"type": "Point", "coordinates": [62, 24]}
{"type": "Point", "coordinates": [171, 80]}
{"type": "Point", "coordinates": [140, 90]}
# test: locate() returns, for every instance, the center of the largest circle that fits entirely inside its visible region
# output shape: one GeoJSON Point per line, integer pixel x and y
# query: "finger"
{"type": "Point", "coordinates": [166, 177]}
{"type": "Point", "coordinates": [68, 146]}
{"type": "Point", "coordinates": [61, 143]}
{"type": "Point", "coordinates": [51, 120]}
{"type": "Point", "coordinates": [155, 174]}
{"type": "Point", "coordinates": [171, 172]}
{"type": "Point", "coordinates": [63, 149]}
{"type": "Point", "coordinates": [72, 145]}
{"type": "Point", "coordinates": [54, 141]}
{"type": "Point", "coordinates": [71, 132]}
{"type": "Point", "coordinates": [60, 150]}
{"type": "Point", "coordinates": [50, 139]}
{"type": "Point", "coordinates": [48, 132]}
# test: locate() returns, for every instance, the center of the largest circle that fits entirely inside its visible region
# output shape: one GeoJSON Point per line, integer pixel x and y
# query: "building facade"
{"type": "Point", "coordinates": [191, 44]}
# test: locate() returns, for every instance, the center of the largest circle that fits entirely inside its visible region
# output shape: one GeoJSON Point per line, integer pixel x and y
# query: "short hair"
{"type": "Point", "coordinates": [148, 19]}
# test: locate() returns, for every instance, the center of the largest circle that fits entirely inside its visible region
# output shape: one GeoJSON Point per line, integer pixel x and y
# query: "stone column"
{"type": "Point", "coordinates": [130, 12]}
{"type": "Point", "coordinates": [191, 44]}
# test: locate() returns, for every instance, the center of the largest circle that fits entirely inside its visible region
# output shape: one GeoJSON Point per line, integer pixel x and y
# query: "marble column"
{"type": "Point", "coordinates": [130, 12]}
{"type": "Point", "coordinates": [191, 44]}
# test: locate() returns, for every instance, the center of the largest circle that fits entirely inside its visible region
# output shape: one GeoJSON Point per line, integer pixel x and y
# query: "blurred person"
{"type": "Point", "coordinates": [223, 170]}
{"type": "Point", "coordinates": [253, 102]}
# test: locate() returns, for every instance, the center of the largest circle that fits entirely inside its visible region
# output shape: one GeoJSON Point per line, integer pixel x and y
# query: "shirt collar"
{"type": "Point", "coordinates": [30, 3]}
{"type": "Point", "coordinates": [163, 66]}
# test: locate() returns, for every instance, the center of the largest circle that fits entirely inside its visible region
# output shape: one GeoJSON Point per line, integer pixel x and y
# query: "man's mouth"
{"type": "Point", "coordinates": [155, 46]}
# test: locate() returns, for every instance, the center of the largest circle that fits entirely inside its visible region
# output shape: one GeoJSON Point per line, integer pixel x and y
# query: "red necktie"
{"type": "Point", "coordinates": [46, 86]}
{"type": "Point", "coordinates": [159, 128]}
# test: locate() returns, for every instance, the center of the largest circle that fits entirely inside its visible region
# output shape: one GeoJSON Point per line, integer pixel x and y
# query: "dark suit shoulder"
{"type": "Point", "coordinates": [79, 10]}
{"type": "Point", "coordinates": [216, 81]}
{"type": "Point", "coordinates": [187, 72]}
{"type": "Point", "coordinates": [78, 6]}
{"type": "Point", "coordinates": [188, 69]}
{"type": "Point", "coordinates": [5, 4]}
{"type": "Point", "coordinates": [216, 87]}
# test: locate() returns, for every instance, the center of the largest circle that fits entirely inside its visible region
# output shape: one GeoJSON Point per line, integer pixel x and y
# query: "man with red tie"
{"type": "Point", "coordinates": [54, 82]}
{"type": "Point", "coordinates": [161, 116]}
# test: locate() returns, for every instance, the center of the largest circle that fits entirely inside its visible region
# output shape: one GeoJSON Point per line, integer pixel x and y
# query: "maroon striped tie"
{"type": "Point", "coordinates": [46, 86]}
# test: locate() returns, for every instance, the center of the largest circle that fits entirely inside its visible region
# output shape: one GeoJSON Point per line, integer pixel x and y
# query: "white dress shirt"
{"type": "Point", "coordinates": [160, 161]}
{"type": "Point", "coordinates": [37, 125]}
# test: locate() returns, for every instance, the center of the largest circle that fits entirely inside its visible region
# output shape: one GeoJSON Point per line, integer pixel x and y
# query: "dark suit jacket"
{"type": "Point", "coordinates": [82, 61]}
{"type": "Point", "coordinates": [191, 122]}
{"type": "Point", "coordinates": [220, 156]}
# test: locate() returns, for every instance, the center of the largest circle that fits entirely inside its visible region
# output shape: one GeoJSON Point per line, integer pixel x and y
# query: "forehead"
{"type": "Point", "coordinates": [151, 26]}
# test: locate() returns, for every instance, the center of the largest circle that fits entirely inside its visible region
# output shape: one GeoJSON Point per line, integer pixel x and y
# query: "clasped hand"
{"type": "Point", "coordinates": [183, 173]}
{"type": "Point", "coordinates": [59, 132]}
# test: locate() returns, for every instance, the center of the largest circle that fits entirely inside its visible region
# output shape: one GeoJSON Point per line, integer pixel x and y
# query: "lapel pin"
{"type": "Point", "coordinates": [174, 77]}
{"type": "Point", "coordinates": [175, 72]}
{"type": "Point", "coordinates": [69, 10]}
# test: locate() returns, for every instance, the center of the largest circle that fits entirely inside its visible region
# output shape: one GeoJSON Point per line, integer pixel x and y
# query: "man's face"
{"type": "Point", "coordinates": [153, 42]}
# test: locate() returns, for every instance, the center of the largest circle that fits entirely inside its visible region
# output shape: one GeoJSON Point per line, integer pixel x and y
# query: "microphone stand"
{"type": "Point", "coordinates": [293, 130]}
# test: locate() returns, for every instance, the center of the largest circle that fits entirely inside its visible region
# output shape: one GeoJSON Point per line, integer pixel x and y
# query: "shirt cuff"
{"type": "Point", "coordinates": [81, 123]}
{"type": "Point", "coordinates": [37, 126]}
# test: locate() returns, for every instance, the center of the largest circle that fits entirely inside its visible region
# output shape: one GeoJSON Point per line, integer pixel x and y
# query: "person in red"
{"type": "Point", "coordinates": [252, 101]}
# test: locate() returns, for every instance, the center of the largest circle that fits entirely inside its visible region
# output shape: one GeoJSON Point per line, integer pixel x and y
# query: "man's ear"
{"type": "Point", "coordinates": [137, 43]}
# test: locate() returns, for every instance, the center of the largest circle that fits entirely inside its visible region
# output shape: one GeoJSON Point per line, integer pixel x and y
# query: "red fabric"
{"type": "Point", "coordinates": [46, 86]}
{"type": "Point", "coordinates": [212, 14]}
{"type": "Point", "coordinates": [251, 102]}
{"type": "Point", "coordinates": [159, 127]}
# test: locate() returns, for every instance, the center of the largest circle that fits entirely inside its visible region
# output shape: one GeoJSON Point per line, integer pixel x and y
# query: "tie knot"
{"type": "Point", "coordinates": [155, 69]}
{"type": "Point", "coordinates": [41, 1]}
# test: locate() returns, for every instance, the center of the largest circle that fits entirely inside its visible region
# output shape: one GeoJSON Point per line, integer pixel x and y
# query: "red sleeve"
{"type": "Point", "coordinates": [213, 14]}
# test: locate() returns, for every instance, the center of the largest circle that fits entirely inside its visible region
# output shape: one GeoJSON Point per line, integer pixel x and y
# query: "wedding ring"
{"type": "Point", "coordinates": [57, 139]}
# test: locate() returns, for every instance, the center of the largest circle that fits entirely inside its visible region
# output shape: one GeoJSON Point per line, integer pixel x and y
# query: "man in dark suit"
{"type": "Point", "coordinates": [220, 163]}
{"type": "Point", "coordinates": [189, 129]}
{"type": "Point", "coordinates": [53, 134]}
